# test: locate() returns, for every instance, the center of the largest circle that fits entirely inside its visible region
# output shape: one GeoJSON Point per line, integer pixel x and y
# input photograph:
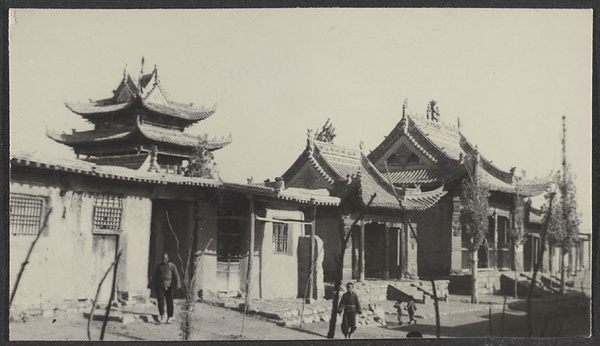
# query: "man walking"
{"type": "Point", "coordinates": [350, 306]}
{"type": "Point", "coordinates": [165, 279]}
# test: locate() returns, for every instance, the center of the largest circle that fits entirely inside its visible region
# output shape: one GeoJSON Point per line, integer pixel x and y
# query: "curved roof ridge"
{"type": "Point", "coordinates": [92, 135]}
{"type": "Point", "coordinates": [176, 137]}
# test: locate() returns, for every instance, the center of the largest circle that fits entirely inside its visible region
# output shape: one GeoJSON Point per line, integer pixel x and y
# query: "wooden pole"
{"type": "Point", "coordinates": [251, 218]}
{"type": "Point", "coordinates": [386, 250]}
{"type": "Point", "coordinates": [311, 276]}
{"type": "Point", "coordinates": [495, 245]}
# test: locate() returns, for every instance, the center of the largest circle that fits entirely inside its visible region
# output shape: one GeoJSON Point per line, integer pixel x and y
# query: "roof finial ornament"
{"type": "Point", "coordinates": [360, 145]}
{"type": "Point", "coordinates": [404, 108]}
{"type": "Point", "coordinates": [309, 141]}
{"type": "Point", "coordinates": [155, 74]}
{"type": "Point", "coordinates": [326, 133]}
{"type": "Point", "coordinates": [433, 111]}
{"type": "Point", "coordinates": [458, 122]}
{"type": "Point", "coordinates": [141, 74]}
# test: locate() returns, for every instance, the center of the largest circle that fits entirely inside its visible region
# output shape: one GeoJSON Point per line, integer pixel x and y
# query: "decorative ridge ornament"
{"type": "Point", "coordinates": [326, 133]}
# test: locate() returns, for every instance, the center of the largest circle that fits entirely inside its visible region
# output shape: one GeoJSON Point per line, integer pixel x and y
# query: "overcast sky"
{"type": "Point", "coordinates": [509, 75]}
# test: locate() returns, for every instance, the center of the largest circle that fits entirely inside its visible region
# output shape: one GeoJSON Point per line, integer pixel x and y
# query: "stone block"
{"type": "Point", "coordinates": [307, 319]}
{"type": "Point", "coordinates": [295, 312]}
{"type": "Point", "coordinates": [324, 317]}
{"type": "Point", "coordinates": [48, 313]}
{"type": "Point", "coordinates": [127, 318]}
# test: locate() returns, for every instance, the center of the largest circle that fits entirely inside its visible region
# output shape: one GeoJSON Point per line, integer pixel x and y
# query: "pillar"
{"type": "Point", "coordinates": [386, 250]}
{"type": "Point", "coordinates": [249, 276]}
{"type": "Point", "coordinates": [496, 257]}
{"type": "Point", "coordinates": [456, 237]}
{"type": "Point", "coordinates": [361, 252]}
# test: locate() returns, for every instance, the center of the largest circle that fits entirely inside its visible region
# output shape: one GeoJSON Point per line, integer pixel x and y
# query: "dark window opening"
{"type": "Point", "coordinates": [280, 238]}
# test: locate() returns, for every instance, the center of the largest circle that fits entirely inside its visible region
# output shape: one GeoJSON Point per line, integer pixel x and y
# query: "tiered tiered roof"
{"type": "Point", "coordinates": [138, 117]}
{"type": "Point", "coordinates": [440, 151]}
{"type": "Point", "coordinates": [348, 173]}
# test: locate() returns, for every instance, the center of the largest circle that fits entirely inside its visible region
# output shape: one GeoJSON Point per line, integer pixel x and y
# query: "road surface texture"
{"type": "Point", "coordinates": [552, 317]}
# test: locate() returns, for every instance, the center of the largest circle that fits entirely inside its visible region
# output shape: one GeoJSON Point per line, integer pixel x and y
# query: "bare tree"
{"type": "Point", "coordinates": [547, 217]}
{"type": "Point", "coordinates": [420, 250]}
{"type": "Point", "coordinates": [188, 278]}
{"type": "Point", "coordinates": [95, 301]}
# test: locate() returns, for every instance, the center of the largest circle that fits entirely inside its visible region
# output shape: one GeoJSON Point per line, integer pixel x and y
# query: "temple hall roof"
{"type": "Point", "coordinates": [446, 148]}
{"type": "Point", "coordinates": [350, 174]}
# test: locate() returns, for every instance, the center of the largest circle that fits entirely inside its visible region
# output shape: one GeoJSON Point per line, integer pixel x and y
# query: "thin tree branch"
{"type": "Point", "coordinates": [26, 261]}
{"type": "Point", "coordinates": [91, 316]}
{"type": "Point", "coordinates": [537, 265]}
{"type": "Point", "coordinates": [312, 268]}
{"type": "Point", "coordinates": [112, 292]}
{"type": "Point", "coordinates": [176, 239]}
{"type": "Point", "coordinates": [340, 266]}
{"type": "Point", "coordinates": [420, 249]}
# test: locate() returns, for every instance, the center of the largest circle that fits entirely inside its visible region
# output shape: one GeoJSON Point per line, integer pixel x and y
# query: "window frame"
{"type": "Point", "coordinates": [44, 202]}
{"type": "Point", "coordinates": [107, 209]}
{"type": "Point", "coordinates": [278, 229]}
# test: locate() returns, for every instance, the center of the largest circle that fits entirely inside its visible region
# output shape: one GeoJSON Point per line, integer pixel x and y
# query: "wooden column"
{"type": "Point", "coordinates": [249, 278]}
{"type": "Point", "coordinates": [311, 252]}
{"type": "Point", "coordinates": [386, 251]}
{"type": "Point", "coordinates": [398, 252]}
{"type": "Point", "coordinates": [361, 252]}
{"type": "Point", "coordinates": [496, 257]}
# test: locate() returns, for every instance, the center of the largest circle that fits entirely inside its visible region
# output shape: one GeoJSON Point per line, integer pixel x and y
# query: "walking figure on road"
{"type": "Point", "coordinates": [411, 308]}
{"type": "Point", "coordinates": [349, 306]}
{"type": "Point", "coordinates": [398, 307]}
{"type": "Point", "coordinates": [166, 278]}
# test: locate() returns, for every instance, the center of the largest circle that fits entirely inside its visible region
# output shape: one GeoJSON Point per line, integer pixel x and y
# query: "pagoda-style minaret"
{"type": "Point", "coordinates": [139, 127]}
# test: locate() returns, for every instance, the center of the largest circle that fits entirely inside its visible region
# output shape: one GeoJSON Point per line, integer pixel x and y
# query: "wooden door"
{"type": "Point", "coordinates": [104, 251]}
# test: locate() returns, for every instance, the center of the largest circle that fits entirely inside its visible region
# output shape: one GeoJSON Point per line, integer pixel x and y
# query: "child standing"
{"type": "Point", "coordinates": [398, 307]}
{"type": "Point", "coordinates": [411, 308]}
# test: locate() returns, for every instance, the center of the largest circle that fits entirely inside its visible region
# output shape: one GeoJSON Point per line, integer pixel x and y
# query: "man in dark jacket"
{"type": "Point", "coordinates": [350, 306]}
{"type": "Point", "coordinates": [166, 277]}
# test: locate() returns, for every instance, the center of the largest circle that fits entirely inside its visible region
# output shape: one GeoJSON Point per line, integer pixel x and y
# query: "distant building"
{"type": "Point", "coordinates": [426, 153]}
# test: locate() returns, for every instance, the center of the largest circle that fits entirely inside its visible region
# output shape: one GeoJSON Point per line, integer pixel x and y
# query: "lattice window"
{"type": "Point", "coordinates": [108, 210]}
{"type": "Point", "coordinates": [280, 238]}
{"type": "Point", "coordinates": [25, 215]}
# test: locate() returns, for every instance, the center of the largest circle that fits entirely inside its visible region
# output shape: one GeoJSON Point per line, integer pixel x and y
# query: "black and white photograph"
{"type": "Point", "coordinates": [299, 174]}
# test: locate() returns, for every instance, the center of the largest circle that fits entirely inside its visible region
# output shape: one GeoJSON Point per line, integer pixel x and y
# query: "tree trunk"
{"type": "Point", "coordinates": [516, 284]}
{"type": "Point", "coordinates": [474, 289]}
{"type": "Point", "coordinates": [562, 271]}
{"type": "Point", "coordinates": [336, 296]}
{"type": "Point", "coordinates": [550, 260]}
